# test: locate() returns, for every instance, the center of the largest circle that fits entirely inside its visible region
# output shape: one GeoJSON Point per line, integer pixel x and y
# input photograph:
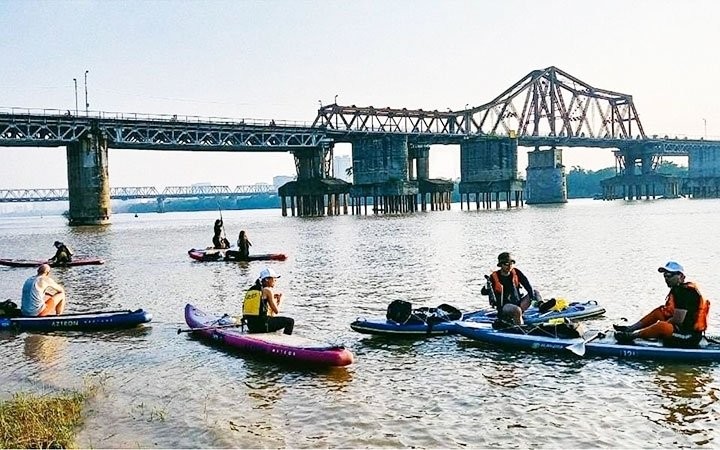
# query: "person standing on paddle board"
{"type": "Point", "coordinates": [41, 295]}
{"type": "Point", "coordinates": [262, 303]}
{"type": "Point", "coordinates": [505, 284]}
{"type": "Point", "coordinates": [63, 254]}
{"type": "Point", "coordinates": [680, 322]}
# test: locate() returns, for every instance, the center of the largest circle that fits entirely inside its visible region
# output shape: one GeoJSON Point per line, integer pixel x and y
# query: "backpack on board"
{"type": "Point", "coordinates": [399, 311]}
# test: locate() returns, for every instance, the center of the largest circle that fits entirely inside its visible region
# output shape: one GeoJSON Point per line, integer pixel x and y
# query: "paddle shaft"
{"type": "Point", "coordinates": [95, 312]}
{"type": "Point", "coordinates": [190, 330]}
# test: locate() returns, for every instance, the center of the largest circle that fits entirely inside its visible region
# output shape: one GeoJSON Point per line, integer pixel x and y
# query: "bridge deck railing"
{"type": "Point", "coordinates": [110, 115]}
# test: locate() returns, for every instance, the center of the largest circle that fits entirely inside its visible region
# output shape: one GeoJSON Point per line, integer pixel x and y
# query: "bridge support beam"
{"type": "Point", "coordinates": [381, 175]}
{"type": "Point", "coordinates": [88, 181]}
{"type": "Point", "coordinates": [488, 173]}
{"type": "Point", "coordinates": [546, 181]}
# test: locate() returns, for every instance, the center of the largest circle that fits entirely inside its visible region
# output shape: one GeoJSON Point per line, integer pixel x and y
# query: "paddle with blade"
{"type": "Point", "coordinates": [579, 347]}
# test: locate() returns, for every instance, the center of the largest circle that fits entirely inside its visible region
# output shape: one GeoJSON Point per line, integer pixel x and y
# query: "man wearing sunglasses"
{"type": "Point", "coordinates": [504, 288]}
{"type": "Point", "coordinates": [680, 322]}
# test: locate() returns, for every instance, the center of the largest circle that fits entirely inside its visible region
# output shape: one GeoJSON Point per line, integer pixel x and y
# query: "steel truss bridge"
{"type": "Point", "coordinates": [136, 193]}
{"type": "Point", "coordinates": [547, 107]}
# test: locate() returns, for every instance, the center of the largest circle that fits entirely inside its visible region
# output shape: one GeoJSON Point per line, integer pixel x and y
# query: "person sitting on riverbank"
{"type": "Point", "coordinates": [262, 303]}
{"type": "Point", "coordinates": [680, 322]}
{"type": "Point", "coordinates": [41, 295]}
{"type": "Point", "coordinates": [504, 288]}
{"type": "Point", "coordinates": [63, 254]}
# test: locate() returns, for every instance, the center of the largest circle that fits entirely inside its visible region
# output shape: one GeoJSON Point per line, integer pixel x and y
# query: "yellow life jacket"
{"type": "Point", "coordinates": [253, 304]}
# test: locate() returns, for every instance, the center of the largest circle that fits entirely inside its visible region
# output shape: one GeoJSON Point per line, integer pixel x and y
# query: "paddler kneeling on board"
{"type": "Point", "coordinates": [41, 295]}
{"type": "Point", "coordinates": [63, 254]}
{"type": "Point", "coordinates": [261, 305]}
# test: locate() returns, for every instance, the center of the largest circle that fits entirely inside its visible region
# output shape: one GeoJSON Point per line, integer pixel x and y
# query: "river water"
{"type": "Point", "coordinates": [164, 389]}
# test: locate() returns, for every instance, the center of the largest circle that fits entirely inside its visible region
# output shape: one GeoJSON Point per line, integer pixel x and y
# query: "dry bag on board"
{"type": "Point", "coordinates": [399, 311]}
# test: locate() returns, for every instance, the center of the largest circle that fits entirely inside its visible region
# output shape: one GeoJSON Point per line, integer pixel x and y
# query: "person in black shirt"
{"type": "Point", "coordinates": [63, 254]}
{"type": "Point", "coordinates": [504, 289]}
{"type": "Point", "coordinates": [680, 322]}
{"type": "Point", "coordinates": [219, 240]}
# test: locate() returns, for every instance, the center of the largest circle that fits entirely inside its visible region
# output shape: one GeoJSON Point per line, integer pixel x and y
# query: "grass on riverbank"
{"type": "Point", "coordinates": [41, 421]}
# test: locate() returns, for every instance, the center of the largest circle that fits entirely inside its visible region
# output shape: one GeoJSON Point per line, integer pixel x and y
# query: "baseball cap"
{"type": "Point", "coordinates": [268, 273]}
{"type": "Point", "coordinates": [672, 266]}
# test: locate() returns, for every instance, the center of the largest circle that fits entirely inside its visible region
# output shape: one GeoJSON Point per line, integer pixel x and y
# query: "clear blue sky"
{"type": "Point", "coordinates": [276, 59]}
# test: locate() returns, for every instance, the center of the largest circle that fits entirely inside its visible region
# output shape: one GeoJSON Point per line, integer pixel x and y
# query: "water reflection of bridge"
{"type": "Point", "coordinates": [139, 193]}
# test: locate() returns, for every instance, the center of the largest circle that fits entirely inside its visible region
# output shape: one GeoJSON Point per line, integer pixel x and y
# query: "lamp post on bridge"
{"type": "Point", "coordinates": [705, 123]}
{"type": "Point", "coordinates": [336, 96]}
{"type": "Point", "coordinates": [87, 105]}
{"type": "Point", "coordinates": [76, 102]}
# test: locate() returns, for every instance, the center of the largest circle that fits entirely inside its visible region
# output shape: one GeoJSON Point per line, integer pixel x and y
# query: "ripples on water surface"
{"type": "Point", "coordinates": [162, 389]}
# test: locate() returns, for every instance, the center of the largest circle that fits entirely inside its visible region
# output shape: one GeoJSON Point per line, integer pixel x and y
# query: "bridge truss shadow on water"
{"type": "Point", "coordinates": [546, 110]}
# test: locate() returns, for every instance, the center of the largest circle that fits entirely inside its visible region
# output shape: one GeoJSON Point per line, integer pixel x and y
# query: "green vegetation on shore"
{"type": "Point", "coordinates": [42, 421]}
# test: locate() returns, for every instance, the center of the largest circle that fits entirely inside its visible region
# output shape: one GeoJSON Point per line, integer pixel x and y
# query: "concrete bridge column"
{"type": "Point", "coordinates": [487, 166]}
{"type": "Point", "coordinates": [88, 181]}
{"type": "Point", "coordinates": [380, 172]}
{"type": "Point", "coordinates": [546, 181]}
{"type": "Point", "coordinates": [421, 155]}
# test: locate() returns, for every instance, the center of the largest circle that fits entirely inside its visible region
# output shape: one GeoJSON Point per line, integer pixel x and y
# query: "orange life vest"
{"type": "Point", "coordinates": [703, 308]}
{"type": "Point", "coordinates": [497, 284]}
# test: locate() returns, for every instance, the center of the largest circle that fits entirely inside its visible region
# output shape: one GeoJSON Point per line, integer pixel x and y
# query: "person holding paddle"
{"type": "Point", "coordinates": [219, 240]}
{"type": "Point", "coordinates": [262, 303]}
{"type": "Point", "coordinates": [41, 295]}
{"type": "Point", "coordinates": [504, 288]}
{"type": "Point", "coordinates": [680, 322]}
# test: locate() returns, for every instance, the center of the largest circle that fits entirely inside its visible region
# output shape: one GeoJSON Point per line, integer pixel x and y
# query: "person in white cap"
{"type": "Point", "coordinates": [262, 303]}
{"type": "Point", "coordinates": [680, 322]}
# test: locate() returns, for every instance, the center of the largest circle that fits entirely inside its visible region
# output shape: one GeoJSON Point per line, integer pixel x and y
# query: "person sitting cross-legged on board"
{"type": "Point", "coordinates": [505, 283]}
{"type": "Point", "coordinates": [680, 322]}
{"type": "Point", "coordinates": [261, 304]}
{"type": "Point", "coordinates": [41, 295]}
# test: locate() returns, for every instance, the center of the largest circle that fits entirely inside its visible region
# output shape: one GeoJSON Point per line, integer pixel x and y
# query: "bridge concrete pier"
{"type": "Point", "coordinates": [88, 180]}
{"type": "Point", "coordinates": [546, 181]}
{"type": "Point", "coordinates": [488, 173]}
{"type": "Point", "coordinates": [637, 177]}
{"type": "Point", "coordinates": [434, 193]}
{"type": "Point", "coordinates": [381, 176]}
{"type": "Point", "coordinates": [635, 187]}
{"type": "Point", "coordinates": [314, 193]}
{"type": "Point", "coordinates": [703, 180]}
